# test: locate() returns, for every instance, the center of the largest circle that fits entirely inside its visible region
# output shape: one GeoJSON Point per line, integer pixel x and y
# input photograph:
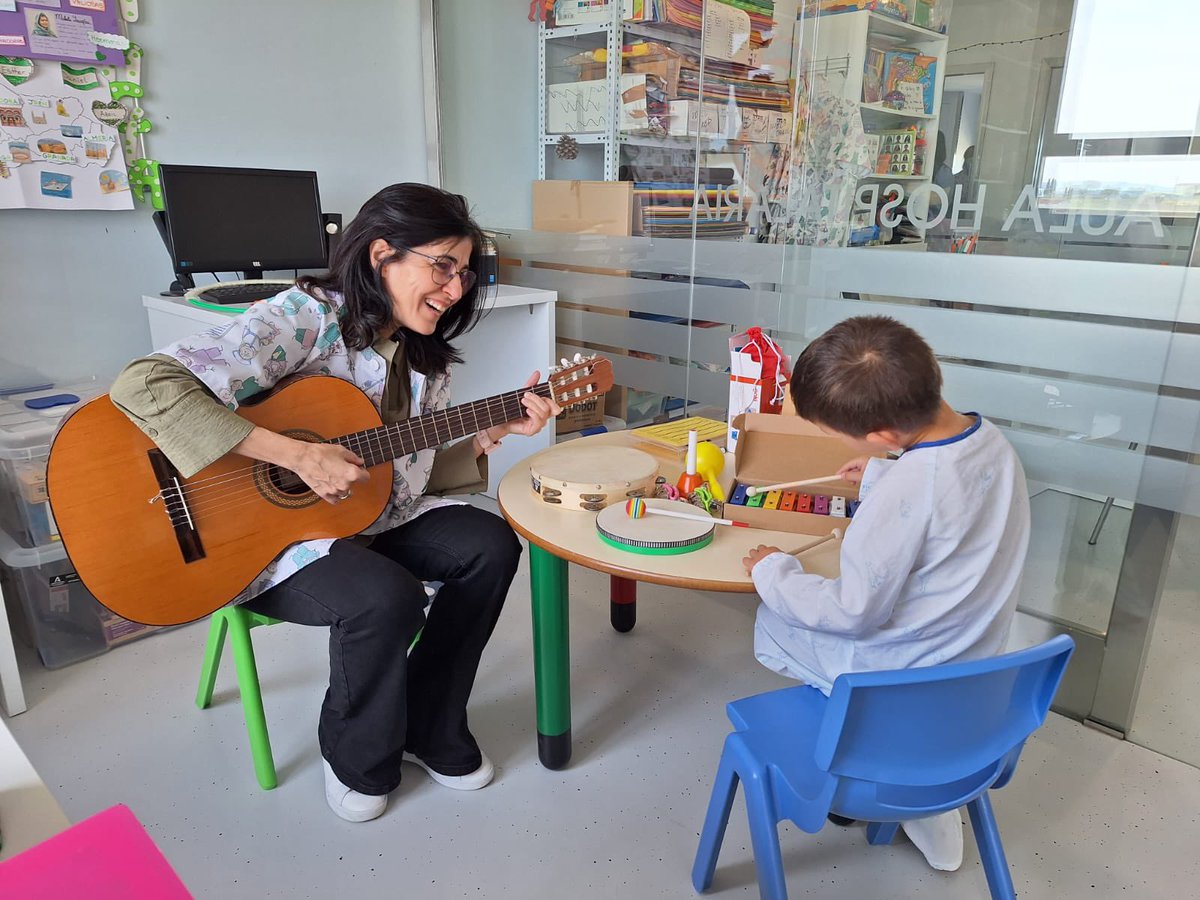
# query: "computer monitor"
{"type": "Point", "coordinates": [247, 220]}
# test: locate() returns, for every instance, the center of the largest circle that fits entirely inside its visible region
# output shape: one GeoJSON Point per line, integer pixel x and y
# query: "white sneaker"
{"type": "Point", "coordinates": [940, 838]}
{"type": "Point", "coordinates": [349, 803]}
{"type": "Point", "coordinates": [472, 781]}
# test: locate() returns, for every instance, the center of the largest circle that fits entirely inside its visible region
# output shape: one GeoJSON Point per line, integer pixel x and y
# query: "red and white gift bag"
{"type": "Point", "coordinates": [758, 376]}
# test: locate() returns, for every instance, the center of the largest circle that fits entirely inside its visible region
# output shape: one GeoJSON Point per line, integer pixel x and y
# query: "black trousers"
{"type": "Point", "coordinates": [382, 701]}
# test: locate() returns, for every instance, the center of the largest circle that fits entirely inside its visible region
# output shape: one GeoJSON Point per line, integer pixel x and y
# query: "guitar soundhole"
{"type": "Point", "coordinates": [286, 481]}
{"type": "Point", "coordinates": [283, 487]}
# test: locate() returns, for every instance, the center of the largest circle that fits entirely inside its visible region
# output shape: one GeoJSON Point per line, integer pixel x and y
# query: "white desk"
{"type": "Point", "coordinates": [514, 337]}
{"type": "Point", "coordinates": [28, 811]}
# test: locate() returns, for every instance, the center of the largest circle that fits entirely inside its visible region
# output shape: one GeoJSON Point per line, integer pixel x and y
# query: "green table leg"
{"type": "Point", "coordinates": [551, 656]}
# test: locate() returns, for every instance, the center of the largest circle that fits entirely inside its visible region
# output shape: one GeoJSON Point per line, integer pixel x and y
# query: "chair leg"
{"type": "Point", "coordinates": [1104, 511]}
{"type": "Point", "coordinates": [252, 708]}
{"type": "Point", "coordinates": [212, 659]}
{"type": "Point", "coordinates": [764, 837]}
{"type": "Point", "coordinates": [719, 806]}
{"type": "Point", "coordinates": [991, 851]}
{"type": "Point", "coordinates": [881, 833]}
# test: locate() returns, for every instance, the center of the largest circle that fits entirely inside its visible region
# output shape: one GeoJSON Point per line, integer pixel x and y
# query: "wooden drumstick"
{"type": "Point", "coordinates": [834, 535]}
{"type": "Point", "coordinates": [755, 491]}
{"type": "Point", "coordinates": [638, 508]}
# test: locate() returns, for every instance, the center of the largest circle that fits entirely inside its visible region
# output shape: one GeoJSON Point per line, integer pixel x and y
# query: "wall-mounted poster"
{"type": "Point", "coordinates": [59, 145]}
{"type": "Point", "coordinates": [63, 30]}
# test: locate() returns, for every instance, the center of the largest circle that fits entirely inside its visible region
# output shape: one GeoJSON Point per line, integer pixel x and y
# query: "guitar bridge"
{"type": "Point", "coordinates": [175, 503]}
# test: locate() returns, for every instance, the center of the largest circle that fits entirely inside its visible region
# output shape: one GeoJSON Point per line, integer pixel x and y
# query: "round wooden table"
{"type": "Point", "coordinates": [560, 536]}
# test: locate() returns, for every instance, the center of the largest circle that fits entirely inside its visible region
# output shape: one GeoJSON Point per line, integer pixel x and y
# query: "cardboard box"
{"type": "Point", "coordinates": [585, 414]}
{"type": "Point", "coordinates": [583, 207]}
{"type": "Point", "coordinates": [777, 448]}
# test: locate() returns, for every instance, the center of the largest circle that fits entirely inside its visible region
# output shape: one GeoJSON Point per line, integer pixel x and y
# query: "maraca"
{"type": "Point", "coordinates": [710, 460]}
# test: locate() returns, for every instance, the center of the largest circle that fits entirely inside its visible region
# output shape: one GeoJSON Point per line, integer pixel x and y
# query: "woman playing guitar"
{"type": "Point", "coordinates": [402, 284]}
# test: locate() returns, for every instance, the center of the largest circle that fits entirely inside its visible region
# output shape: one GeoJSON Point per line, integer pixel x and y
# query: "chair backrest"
{"type": "Point", "coordinates": [940, 725]}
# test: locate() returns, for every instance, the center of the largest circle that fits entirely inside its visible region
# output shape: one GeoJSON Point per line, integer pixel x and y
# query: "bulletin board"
{"type": "Point", "coordinates": [70, 115]}
{"type": "Point", "coordinates": [62, 30]}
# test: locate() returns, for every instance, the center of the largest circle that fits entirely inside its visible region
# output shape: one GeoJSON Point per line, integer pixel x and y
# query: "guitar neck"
{"type": "Point", "coordinates": [388, 442]}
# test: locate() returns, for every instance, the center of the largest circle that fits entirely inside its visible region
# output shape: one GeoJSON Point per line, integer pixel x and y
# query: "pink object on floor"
{"type": "Point", "coordinates": [106, 857]}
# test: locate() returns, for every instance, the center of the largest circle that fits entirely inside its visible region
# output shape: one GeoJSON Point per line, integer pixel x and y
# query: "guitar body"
{"type": "Point", "coordinates": [121, 530]}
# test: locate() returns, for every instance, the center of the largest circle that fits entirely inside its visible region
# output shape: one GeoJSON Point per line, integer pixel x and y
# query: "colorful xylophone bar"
{"type": "Point", "coordinates": [793, 501]}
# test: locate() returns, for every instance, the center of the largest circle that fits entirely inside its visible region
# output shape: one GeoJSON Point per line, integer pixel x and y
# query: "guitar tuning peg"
{"type": "Point", "coordinates": [565, 364]}
{"type": "Point", "coordinates": [578, 358]}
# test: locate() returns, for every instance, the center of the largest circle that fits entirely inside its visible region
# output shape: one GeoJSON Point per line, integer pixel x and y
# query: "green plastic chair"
{"type": "Point", "coordinates": [237, 622]}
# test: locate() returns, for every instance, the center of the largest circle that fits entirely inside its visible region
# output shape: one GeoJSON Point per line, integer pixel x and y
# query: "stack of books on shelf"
{"type": "Point", "coordinates": [671, 209]}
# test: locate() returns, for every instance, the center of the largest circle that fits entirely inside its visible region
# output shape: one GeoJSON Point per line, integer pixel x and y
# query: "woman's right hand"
{"type": "Point", "coordinates": [853, 470]}
{"type": "Point", "coordinates": [330, 470]}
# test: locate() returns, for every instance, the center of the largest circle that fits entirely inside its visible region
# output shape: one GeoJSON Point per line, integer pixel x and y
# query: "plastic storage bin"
{"type": "Point", "coordinates": [60, 618]}
{"type": "Point", "coordinates": [25, 435]}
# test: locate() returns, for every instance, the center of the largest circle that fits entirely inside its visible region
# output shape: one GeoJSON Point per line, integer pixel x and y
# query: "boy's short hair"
{"type": "Point", "coordinates": [868, 373]}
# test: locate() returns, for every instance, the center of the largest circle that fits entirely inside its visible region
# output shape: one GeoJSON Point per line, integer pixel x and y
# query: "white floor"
{"type": "Point", "coordinates": [1086, 815]}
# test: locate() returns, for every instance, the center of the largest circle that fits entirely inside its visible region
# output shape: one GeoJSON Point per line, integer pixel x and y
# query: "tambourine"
{"type": "Point", "coordinates": [591, 478]}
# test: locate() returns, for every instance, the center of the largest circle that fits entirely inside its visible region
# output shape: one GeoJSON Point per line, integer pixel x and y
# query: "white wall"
{"type": "Point", "coordinates": [487, 65]}
{"type": "Point", "coordinates": [299, 84]}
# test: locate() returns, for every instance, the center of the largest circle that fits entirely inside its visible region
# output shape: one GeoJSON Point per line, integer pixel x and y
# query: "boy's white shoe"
{"type": "Point", "coordinates": [472, 781]}
{"type": "Point", "coordinates": [940, 838]}
{"type": "Point", "coordinates": [349, 803]}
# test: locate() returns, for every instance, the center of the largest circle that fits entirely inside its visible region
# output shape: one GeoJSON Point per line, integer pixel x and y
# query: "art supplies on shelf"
{"type": "Point", "coordinates": [665, 209]}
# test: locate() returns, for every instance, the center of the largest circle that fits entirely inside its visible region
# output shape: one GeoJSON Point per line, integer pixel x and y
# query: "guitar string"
{"type": "Point", "coordinates": [363, 438]}
{"type": "Point", "coordinates": [231, 484]}
{"type": "Point", "coordinates": [218, 497]}
{"type": "Point", "coordinates": [231, 489]}
{"type": "Point", "coordinates": [244, 491]}
{"type": "Point", "coordinates": [354, 442]}
{"type": "Point", "coordinates": [201, 483]}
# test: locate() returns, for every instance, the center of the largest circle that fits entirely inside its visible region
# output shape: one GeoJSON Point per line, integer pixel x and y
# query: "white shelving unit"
{"type": "Point", "coordinates": [843, 40]}
{"type": "Point", "coordinates": [603, 152]}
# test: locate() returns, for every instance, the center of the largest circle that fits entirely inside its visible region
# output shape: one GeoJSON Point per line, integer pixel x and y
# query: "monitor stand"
{"type": "Point", "coordinates": [181, 285]}
{"type": "Point", "coordinates": [252, 275]}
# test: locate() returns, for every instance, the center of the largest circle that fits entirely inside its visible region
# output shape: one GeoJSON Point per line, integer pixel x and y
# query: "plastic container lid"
{"type": "Point", "coordinates": [26, 433]}
{"type": "Point", "coordinates": [17, 557]}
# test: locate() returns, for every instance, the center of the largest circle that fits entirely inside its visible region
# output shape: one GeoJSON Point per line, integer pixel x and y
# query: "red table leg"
{"type": "Point", "coordinates": [622, 608]}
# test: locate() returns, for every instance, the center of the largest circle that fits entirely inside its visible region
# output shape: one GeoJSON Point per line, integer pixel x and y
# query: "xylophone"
{"type": "Point", "coordinates": [794, 501]}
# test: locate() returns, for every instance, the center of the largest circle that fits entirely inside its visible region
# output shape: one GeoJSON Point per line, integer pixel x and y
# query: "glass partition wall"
{"type": "Point", "coordinates": [681, 170]}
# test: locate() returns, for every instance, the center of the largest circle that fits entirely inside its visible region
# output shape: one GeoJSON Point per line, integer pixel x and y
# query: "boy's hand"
{"type": "Point", "coordinates": [757, 554]}
{"type": "Point", "coordinates": [853, 470]}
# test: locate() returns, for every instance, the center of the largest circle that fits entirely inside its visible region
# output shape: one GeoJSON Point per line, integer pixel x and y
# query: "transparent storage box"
{"type": "Point", "coordinates": [52, 610]}
{"type": "Point", "coordinates": [25, 435]}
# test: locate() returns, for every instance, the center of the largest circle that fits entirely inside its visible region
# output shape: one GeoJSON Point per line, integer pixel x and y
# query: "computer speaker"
{"type": "Point", "coordinates": [332, 223]}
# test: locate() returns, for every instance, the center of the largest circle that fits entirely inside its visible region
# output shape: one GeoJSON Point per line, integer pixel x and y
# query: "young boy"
{"type": "Point", "coordinates": [931, 564]}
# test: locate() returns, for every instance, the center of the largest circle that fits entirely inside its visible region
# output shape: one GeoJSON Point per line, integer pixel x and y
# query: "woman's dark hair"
{"type": "Point", "coordinates": [869, 373]}
{"type": "Point", "coordinates": [406, 216]}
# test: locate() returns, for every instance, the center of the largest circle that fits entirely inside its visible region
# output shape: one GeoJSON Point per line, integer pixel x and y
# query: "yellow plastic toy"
{"type": "Point", "coordinates": [709, 463]}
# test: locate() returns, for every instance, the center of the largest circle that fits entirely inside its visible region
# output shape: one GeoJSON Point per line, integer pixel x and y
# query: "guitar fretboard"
{"type": "Point", "coordinates": [388, 442]}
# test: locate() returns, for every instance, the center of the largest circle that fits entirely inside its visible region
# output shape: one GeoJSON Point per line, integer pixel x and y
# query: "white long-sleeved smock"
{"type": "Point", "coordinates": [930, 567]}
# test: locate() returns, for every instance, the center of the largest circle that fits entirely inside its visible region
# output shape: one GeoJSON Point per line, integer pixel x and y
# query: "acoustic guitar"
{"type": "Point", "coordinates": [161, 549]}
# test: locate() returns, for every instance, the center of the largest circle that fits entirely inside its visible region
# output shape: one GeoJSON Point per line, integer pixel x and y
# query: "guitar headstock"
{"type": "Point", "coordinates": [575, 381]}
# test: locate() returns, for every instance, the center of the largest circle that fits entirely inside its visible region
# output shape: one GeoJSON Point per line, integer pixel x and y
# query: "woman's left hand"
{"type": "Point", "coordinates": [538, 411]}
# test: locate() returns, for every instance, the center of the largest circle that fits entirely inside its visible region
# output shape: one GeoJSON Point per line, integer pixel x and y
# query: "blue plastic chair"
{"type": "Point", "coordinates": [884, 747]}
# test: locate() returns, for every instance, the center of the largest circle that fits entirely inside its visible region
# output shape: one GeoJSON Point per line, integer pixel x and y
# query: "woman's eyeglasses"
{"type": "Point", "coordinates": [444, 271]}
